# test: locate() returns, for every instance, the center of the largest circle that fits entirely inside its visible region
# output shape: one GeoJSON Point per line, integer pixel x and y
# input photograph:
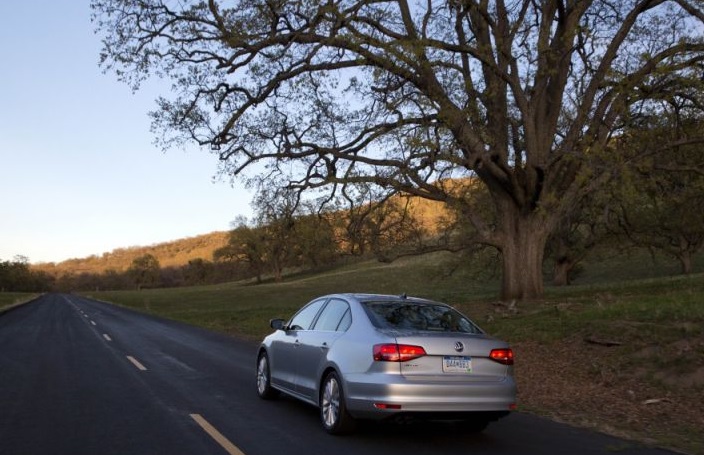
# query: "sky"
{"type": "Point", "coordinates": [79, 173]}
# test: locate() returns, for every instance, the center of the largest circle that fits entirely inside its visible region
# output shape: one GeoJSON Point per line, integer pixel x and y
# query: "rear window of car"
{"type": "Point", "coordinates": [421, 316]}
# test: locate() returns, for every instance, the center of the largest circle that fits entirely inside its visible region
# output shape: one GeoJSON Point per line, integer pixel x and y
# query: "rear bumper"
{"type": "Point", "coordinates": [442, 398]}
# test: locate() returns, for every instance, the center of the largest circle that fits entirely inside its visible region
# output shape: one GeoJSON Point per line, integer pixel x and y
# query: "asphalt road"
{"type": "Point", "coordinates": [83, 377]}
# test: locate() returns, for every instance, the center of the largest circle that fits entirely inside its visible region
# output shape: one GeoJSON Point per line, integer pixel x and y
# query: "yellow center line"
{"type": "Point", "coordinates": [136, 363]}
{"type": "Point", "coordinates": [215, 434]}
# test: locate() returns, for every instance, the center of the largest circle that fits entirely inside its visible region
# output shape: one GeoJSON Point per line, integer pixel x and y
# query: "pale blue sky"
{"type": "Point", "coordinates": [79, 174]}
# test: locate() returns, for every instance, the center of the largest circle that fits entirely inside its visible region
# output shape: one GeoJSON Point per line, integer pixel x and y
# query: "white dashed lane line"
{"type": "Point", "coordinates": [136, 363]}
{"type": "Point", "coordinates": [218, 437]}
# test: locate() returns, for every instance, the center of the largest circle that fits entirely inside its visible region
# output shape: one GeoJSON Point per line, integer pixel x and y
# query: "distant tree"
{"type": "Point", "coordinates": [455, 232]}
{"type": "Point", "coordinates": [391, 228]}
{"type": "Point", "coordinates": [246, 244]}
{"type": "Point", "coordinates": [569, 244]}
{"type": "Point", "coordinates": [285, 233]}
{"type": "Point", "coordinates": [276, 210]}
{"type": "Point", "coordinates": [525, 95]}
{"type": "Point", "coordinates": [87, 281]}
{"type": "Point", "coordinates": [145, 271]}
{"type": "Point", "coordinates": [380, 223]}
{"type": "Point", "coordinates": [198, 271]}
{"type": "Point", "coordinates": [357, 207]}
{"type": "Point", "coordinates": [172, 276]}
{"type": "Point", "coordinates": [115, 279]}
{"type": "Point", "coordinates": [314, 240]}
{"type": "Point", "coordinates": [18, 276]}
{"type": "Point", "coordinates": [662, 198]}
{"type": "Point", "coordinates": [8, 279]}
{"type": "Point", "coordinates": [579, 233]}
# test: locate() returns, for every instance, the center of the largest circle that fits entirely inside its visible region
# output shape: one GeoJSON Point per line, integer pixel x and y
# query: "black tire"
{"type": "Point", "coordinates": [264, 389]}
{"type": "Point", "coordinates": [333, 408]}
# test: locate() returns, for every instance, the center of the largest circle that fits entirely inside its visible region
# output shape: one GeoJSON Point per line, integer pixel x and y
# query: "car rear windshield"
{"type": "Point", "coordinates": [409, 315]}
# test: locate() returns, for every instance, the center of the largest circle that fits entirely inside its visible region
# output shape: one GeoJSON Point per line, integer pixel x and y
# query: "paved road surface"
{"type": "Point", "coordinates": [83, 377]}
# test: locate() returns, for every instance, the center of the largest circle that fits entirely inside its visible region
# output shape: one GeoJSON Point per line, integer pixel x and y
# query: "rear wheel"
{"type": "Point", "coordinates": [264, 389]}
{"type": "Point", "coordinates": [333, 409]}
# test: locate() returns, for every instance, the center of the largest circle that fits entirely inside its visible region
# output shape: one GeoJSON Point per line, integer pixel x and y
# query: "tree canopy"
{"type": "Point", "coordinates": [660, 199]}
{"type": "Point", "coordinates": [525, 95]}
{"type": "Point", "coordinates": [145, 271]}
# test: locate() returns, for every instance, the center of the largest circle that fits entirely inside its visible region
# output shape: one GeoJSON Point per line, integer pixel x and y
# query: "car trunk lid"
{"type": "Point", "coordinates": [454, 357]}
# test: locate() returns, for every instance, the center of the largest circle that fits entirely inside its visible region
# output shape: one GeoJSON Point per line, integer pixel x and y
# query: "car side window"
{"type": "Point", "coordinates": [335, 313]}
{"type": "Point", "coordinates": [345, 322]}
{"type": "Point", "coordinates": [304, 318]}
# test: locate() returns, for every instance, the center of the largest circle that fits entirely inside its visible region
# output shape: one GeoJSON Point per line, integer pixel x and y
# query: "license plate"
{"type": "Point", "coordinates": [456, 364]}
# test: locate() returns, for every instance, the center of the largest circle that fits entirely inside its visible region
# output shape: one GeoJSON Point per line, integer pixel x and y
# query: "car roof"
{"type": "Point", "coordinates": [363, 297]}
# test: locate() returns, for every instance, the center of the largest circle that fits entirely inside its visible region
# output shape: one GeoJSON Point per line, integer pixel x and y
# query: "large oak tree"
{"type": "Point", "coordinates": [523, 94]}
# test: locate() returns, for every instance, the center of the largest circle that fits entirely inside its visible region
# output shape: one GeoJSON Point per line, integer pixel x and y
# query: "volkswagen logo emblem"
{"type": "Point", "coordinates": [459, 347]}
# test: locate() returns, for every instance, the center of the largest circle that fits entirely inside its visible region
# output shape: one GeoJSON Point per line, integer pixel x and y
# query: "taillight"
{"type": "Point", "coordinates": [504, 356]}
{"type": "Point", "coordinates": [397, 352]}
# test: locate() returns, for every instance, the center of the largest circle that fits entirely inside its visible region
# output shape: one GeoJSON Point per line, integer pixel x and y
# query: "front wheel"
{"type": "Point", "coordinates": [333, 409]}
{"type": "Point", "coordinates": [264, 389]}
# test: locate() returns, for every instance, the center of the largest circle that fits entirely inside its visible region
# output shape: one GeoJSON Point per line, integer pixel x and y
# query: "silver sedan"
{"type": "Point", "coordinates": [368, 356]}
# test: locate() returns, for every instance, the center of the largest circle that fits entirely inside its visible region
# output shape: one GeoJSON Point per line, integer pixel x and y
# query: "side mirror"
{"type": "Point", "coordinates": [277, 324]}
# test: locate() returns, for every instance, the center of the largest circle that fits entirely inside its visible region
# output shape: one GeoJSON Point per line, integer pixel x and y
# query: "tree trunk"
{"type": "Point", "coordinates": [563, 264]}
{"type": "Point", "coordinates": [685, 258]}
{"type": "Point", "coordinates": [522, 244]}
{"type": "Point", "coordinates": [561, 272]}
{"type": "Point", "coordinates": [278, 269]}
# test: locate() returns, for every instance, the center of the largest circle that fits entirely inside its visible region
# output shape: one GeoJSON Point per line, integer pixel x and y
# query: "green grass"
{"type": "Point", "coordinates": [8, 299]}
{"type": "Point", "coordinates": [245, 309]}
{"type": "Point", "coordinates": [670, 303]}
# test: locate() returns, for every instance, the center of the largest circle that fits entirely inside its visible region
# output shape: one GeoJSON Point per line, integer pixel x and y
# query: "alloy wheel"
{"type": "Point", "coordinates": [331, 402]}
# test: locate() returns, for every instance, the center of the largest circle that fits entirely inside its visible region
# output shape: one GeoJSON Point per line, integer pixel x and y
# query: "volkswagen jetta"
{"type": "Point", "coordinates": [367, 356]}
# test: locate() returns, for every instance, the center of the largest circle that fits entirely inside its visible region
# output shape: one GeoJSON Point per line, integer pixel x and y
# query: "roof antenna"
{"type": "Point", "coordinates": [404, 296]}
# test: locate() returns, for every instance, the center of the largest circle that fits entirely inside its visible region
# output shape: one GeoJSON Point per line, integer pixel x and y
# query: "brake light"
{"type": "Point", "coordinates": [503, 356]}
{"type": "Point", "coordinates": [397, 352]}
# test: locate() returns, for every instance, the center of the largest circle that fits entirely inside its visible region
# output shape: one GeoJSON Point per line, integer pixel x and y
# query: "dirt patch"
{"type": "Point", "coordinates": [587, 385]}
{"type": "Point", "coordinates": [694, 379]}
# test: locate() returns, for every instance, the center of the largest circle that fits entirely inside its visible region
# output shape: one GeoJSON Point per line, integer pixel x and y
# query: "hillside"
{"type": "Point", "coordinates": [179, 252]}
{"type": "Point", "coordinates": [174, 253]}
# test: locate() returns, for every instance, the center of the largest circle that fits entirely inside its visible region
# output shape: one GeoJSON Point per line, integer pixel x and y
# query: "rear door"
{"type": "Point", "coordinates": [315, 344]}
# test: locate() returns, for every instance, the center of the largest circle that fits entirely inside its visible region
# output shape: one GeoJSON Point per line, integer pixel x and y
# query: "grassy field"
{"type": "Point", "coordinates": [8, 299]}
{"type": "Point", "coordinates": [244, 309]}
{"type": "Point", "coordinates": [621, 350]}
